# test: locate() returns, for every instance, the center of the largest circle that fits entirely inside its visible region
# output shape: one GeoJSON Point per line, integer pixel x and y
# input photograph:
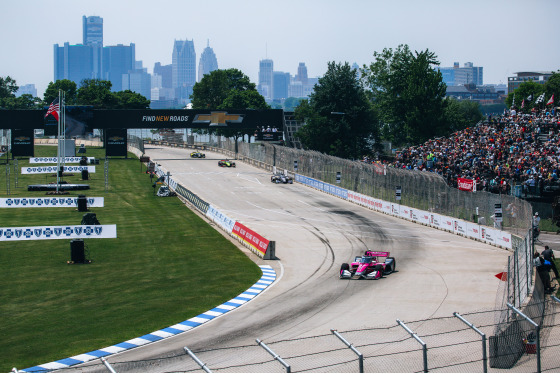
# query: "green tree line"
{"type": "Point", "coordinates": [94, 92]}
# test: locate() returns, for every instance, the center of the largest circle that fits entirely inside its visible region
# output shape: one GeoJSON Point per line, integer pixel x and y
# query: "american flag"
{"type": "Point", "coordinates": [54, 109]}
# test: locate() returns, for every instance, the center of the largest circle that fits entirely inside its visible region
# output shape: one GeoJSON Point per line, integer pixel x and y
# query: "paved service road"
{"type": "Point", "coordinates": [438, 273]}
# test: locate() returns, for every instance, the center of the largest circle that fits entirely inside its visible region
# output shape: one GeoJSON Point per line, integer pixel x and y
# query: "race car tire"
{"type": "Point", "coordinates": [291, 182]}
{"type": "Point", "coordinates": [277, 181]}
{"type": "Point", "coordinates": [393, 265]}
{"type": "Point", "coordinates": [344, 266]}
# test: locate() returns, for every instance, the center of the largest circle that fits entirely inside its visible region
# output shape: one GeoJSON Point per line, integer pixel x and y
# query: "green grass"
{"type": "Point", "coordinates": [165, 266]}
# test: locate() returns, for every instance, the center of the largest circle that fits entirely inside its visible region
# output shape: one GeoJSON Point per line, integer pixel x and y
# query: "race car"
{"type": "Point", "coordinates": [226, 163]}
{"type": "Point", "coordinates": [372, 265]}
{"type": "Point", "coordinates": [281, 178]}
{"type": "Point", "coordinates": [197, 154]}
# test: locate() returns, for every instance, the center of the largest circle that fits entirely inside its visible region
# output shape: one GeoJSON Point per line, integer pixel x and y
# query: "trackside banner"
{"type": "Point", "coordinates": [54, 160]}
{"type": "Point", "coordinates": [322, 186]}
{"type": "Point", "coordinates": [52, 169]}
{"type": "Point", "coordinates": [250, 237]}
{"type": "Point", "coordinates": [49, 202]}
{"type": "Point", "coordinates": [58, 232]}
{"type": "Point", "coordinates": [221, 219]}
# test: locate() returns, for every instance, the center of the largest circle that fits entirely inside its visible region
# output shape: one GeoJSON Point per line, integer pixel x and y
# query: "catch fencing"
{"type": "Point", "coordinates": [451, 345]}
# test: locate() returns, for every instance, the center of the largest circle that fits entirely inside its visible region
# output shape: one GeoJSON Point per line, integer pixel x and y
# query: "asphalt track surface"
{"type": "Point", "coordinates": [438, 273]}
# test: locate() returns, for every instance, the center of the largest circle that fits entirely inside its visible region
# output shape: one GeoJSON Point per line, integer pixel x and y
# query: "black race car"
{"type": "Point", "coordinates": [226, 163]}
{"type": "Point", "coordinates": [281, 178]}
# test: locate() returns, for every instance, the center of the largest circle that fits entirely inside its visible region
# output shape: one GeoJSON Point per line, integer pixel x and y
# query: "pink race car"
{"type": "Point", "coordinates": [373, 265]}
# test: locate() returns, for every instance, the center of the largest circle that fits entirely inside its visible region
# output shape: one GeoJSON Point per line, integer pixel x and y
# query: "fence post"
{"type": "Point", "coordinates": [193, 356]}
{"type": "Point", "coordinates": [107, 365]}
{"type": "Point", "coordinates": [424, 347]}
{"type": "Point", "coordinates": [275, 356]}
{"type": "Point", "coordinates": [483, 335]}
{"type": "Point", "coordinates": [360, 356]}
{"type": "Point", "coordinates": [537, 330]}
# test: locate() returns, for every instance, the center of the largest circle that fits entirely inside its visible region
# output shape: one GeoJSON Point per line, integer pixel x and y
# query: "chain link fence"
{"type": "Point", "coordinates": [451, 346]}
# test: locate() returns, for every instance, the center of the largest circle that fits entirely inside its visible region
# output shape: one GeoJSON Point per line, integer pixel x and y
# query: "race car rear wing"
{"type": "Point", "coordinates": [379, 254]}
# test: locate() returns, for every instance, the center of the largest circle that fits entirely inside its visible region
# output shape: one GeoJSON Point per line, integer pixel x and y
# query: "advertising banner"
{"type": "Point", "coordinates": [423, 217]}
{"type": "Point", "coordinates": [22, 142]}
{"type": "Point", "coordinates": [435, 221]}
{"type": "Point", "coordinates": [221, 219]}
{"type": "Point", "coordinates": [504, 239]}
{"type": "Point", "coordinates": [250, 237]}
{"type": "Point", "coordinates": [49, 202]}
{"type": "Point", "coordinates": [322, 186]}
{"type": "Point", "coordinates": [446, 223]}
{"type": "Point", "coordinates": [58, 232]}
{"type": "Point", "coordinates": [460, 227]}
{"type": "Point", "coordinates": [465, 184]}
{"type": "Point", "coordinates": [116, 142]}
{"type": "Point", "coordinates": [473, 230]}
{"type": "Point", "coordinates": [52, 169]}
{"type": "Point", "coordinates": [488, 235]}
{"type": "Point", "coordinates": [54, 160]}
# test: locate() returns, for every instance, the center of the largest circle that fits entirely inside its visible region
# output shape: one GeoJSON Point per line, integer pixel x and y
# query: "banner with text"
{"type": "Point", "coordinates": [54, 160]}
{"type": "Point", "coordinates": [250, 237]}
{"type": "Point", "coordinates": [58, 232]}
{"type": "Point", "coordinates": [52, 169]}
{"type": "Point", "coordinates": [49, 202]}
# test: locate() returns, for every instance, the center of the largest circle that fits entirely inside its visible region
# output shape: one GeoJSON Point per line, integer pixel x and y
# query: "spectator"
{"type": "Point", "coordinates": [543, 272]}
{"type": "Point", "coordinates": [548, 256]}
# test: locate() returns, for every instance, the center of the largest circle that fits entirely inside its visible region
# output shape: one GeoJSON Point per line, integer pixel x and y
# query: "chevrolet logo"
{"type": "Point", "coordinates": [220, 119]}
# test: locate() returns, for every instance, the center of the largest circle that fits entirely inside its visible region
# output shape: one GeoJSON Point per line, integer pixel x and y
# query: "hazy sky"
{"type": "Point", "coordinates": [502, 36]}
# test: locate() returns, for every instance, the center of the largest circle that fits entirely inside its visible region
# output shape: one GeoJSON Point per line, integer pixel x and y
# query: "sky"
{"type": "Point", "coordinates": [502, 36]}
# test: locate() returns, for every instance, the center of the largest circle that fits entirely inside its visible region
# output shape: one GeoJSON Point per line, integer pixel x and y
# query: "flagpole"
{"type": "Point", "coordinates": [58, 146]}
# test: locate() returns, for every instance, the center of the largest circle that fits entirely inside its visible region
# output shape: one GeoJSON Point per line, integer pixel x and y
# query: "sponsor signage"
{"type": "Point", "coordinates": [189, 118]}
{"type": "Point", "coordinates": [498, 213]}
{"type": "Point", "coordinates": [398, 193]}
{"type": "Point", "coordinates": [295, 165]}
{"type": "Point", "coordinates": [465, 184]}
{"type": "Point", "coordinates": [53, 169]}
{"type": "Point", "coordinates": [22, 142]}
{"type": "Point", "coordinates": [250, 237]}
{"type": "Point", "coordinates": [338, 177]}
{"type": "Point", "coordinates": [322, 186]}
{"type": "Point", "coordinates": [269, 136]}
{"type": "Point", "coordinates": [58, 232]}
{"type": "Point", "coordinates": [54, 160]}
{"type": "Point", "coordinates": [49, 202]}
{"type": "Point", "coordinates": [221, 219]}
{"type": "Point", "coordinates": [115, 142]}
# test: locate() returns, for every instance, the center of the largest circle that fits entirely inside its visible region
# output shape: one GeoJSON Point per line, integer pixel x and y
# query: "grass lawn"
{"type": "Point", "coordinates": [165, 266]}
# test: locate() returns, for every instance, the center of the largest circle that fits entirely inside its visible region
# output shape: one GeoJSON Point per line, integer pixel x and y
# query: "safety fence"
{"type": "Point", "coordinates": [457, 343]}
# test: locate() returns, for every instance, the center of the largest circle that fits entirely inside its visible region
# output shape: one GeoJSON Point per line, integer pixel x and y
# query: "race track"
{"type": "Point", "coordinates": [438, 273]}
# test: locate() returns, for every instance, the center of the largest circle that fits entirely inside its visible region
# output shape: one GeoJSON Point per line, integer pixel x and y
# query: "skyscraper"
{"type": "Point", "coordinates": [183, 69]}
{"type": "Point", "coordinates": [266, 68]}
{"type": "Point", "coordinates": [457, 76]}
{"type": "Point", "coordinates": [118, 60]}
{"type": "Point", "coordinates": [302, 73]}
{"type": "Point", "coordinates": [280, 84]}
{"type": "Point", "coordinates": [208, 62]}
{"type": "Point", "coordinates": [92, 30]}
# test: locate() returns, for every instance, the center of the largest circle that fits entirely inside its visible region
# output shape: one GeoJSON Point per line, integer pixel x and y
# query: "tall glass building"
{"type": "Point", "coordinates": [183, 72]}
{"type": "Point", "coordinates": [116, 61]}
{"type": "Point", "coordinates": [208, 62]}
{"type": "Point", "coordinates": [266, 69]}
{"type": "Point", "coordinates": [92, 30]}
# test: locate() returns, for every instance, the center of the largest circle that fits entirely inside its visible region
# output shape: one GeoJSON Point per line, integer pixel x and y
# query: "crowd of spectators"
{"type": "Point", "coordinates": [510, 149]}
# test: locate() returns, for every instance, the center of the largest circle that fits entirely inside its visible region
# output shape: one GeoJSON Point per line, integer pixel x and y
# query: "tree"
{"type": "Point", "coordinates": [67, 86]}
{"type": "Point", "coordinates": [97, 93]}
{"type": "Point", "coordinates": [523, 92]}
{"type": "Point", "coordinates": [338, 116]}
{"type": "Point", "coordinates": [460, 114]}
{"type": "Point", "coordinates": [249, 99]}
{"type": "Point", "coordinates": [408, 93]}
{"type": "Point", "coordinates": [8, 87]}
{"type": "Point", "coordinates": [130, 100]}
{"type": "Point", "coordinates": [291, 103]}
{"type": "Point", "coordinates": [215, 87]}
{"type": "Point", "coordinates": [552, 87]}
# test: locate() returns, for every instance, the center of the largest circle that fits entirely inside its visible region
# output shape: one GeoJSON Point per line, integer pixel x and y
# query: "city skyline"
{"type": "Point", "coordinates": [315, 32]}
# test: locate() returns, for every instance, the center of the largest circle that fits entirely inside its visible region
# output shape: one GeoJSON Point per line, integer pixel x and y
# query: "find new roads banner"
{"type": "Point", "coordinates": [58, 232]}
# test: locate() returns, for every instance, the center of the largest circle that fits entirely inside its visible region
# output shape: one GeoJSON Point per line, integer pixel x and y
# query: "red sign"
{"type": "Point", "coordinates": [465, 184]}
{"type": "Point", "coordinates": [250, 237]}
